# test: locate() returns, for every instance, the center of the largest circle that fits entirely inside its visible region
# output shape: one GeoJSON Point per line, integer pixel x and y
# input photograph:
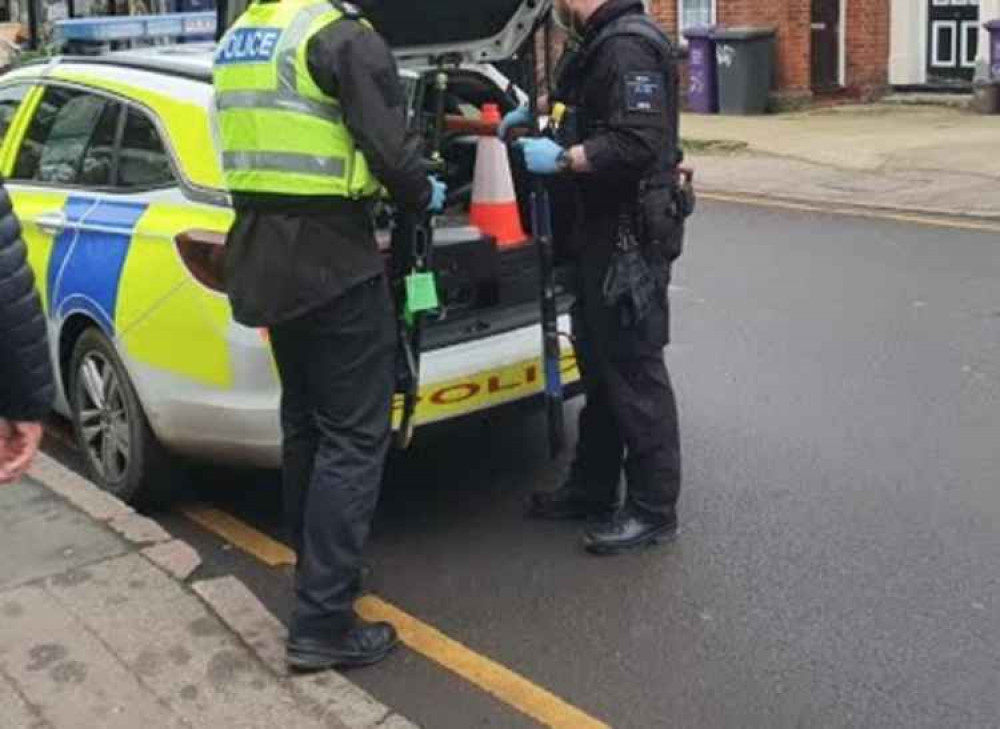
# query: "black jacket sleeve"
{"type": "Point", "coordinates": [26, 385]}
{"type": "Point", "coordinates": [353, 63]}
{"type": "Point", "coordinates": [630, 91]}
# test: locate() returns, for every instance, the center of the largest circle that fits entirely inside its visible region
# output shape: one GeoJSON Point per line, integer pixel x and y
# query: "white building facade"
{"type": "Point", "coordinates": [939, 42]}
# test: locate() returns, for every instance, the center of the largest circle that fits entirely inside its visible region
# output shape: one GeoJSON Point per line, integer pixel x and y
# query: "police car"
{"type": "Point", "coordinates": [114, 171]}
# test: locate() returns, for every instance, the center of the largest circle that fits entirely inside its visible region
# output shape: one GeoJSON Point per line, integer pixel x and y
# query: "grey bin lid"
{"type": "Point", "coordinates": [746, 33]}
{"type": "Point", "coordinates": [701, 32]}
{"type": "Point", "coordinates": [993, 25]}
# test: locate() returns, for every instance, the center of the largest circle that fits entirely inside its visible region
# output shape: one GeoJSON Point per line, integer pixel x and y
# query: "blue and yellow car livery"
{"type": "Point", "coordinates": [136, 263]}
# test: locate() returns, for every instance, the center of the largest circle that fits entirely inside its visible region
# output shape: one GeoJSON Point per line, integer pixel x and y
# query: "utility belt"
{"type": "Point", "coordinates": [649, 238]}
{"type": "Point", "coordinates": [665, 201]}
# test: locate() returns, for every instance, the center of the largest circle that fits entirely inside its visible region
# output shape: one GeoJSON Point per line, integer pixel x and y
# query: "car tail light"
{"type": "Point", "coordinates": [203, 252]}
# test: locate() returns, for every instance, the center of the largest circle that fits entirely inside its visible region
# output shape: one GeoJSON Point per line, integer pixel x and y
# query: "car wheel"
{"type": "Point", "coordinates": [121, 453]}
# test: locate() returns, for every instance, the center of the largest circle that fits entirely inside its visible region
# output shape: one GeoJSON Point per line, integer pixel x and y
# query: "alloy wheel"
{"type": "Point", "coordinates": [104, 420]}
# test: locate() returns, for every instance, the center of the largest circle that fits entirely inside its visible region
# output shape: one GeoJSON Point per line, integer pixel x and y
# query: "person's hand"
{"type": "Point", "coordinates": [520, 117]}
{"type": "Point", "coordinates": [541, 155]}
{"type": "Point", "coordinates": [439, 194]}
{"type": "Point", "coordinates": [18, 446]}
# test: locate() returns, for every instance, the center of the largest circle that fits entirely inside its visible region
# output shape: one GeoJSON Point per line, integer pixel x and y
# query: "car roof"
{"type": "Point", "coordinates": [190, 62]}
{"type": "Point", "coordinates": [190, 59]}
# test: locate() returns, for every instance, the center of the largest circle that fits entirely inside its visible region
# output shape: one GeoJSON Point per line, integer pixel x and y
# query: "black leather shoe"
{"type": "Point", "coordinates": [566, 503]}
{"type": "Point", "coordinates": [629, 530]}
{"type": "Point", "coordinates": [362, 645]}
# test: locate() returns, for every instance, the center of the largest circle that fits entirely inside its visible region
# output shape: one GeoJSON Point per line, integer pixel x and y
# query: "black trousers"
{"type": "Point", "coordinates": [630, 418]}
{"type": "Point", "coordinates": [336, 366]}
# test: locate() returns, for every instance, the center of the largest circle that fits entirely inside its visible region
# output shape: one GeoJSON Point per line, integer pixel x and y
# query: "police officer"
{"type": "Point", "coordinates": [312, 119]}
{"type": "Point", "coordinates": [617, 142]}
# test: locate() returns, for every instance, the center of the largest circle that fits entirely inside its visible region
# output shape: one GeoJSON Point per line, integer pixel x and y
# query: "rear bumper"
{"type": "Point", "coordinates": [241, 425]}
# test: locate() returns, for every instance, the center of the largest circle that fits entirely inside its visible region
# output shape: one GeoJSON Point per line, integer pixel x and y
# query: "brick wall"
{"type": "Point", "coordinates": [792, 20]}
{"type": "Point", "coordinates": [665, 12]}
{"type": "Point", "coordinates": [868, 34]}
{"type": "Point", "coordinates": [867, 38]}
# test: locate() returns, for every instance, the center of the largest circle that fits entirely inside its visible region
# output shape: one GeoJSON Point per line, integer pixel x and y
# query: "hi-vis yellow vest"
{"type": "Point", "coordinates": [280, 132]}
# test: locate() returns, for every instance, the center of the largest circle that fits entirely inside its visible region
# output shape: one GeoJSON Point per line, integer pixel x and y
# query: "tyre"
{"type": "Point", "coordinates": [121, 454]}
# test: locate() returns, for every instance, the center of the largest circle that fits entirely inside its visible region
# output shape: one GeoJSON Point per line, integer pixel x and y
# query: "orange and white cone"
{"type": "Point", "coordinates": [494, 207]}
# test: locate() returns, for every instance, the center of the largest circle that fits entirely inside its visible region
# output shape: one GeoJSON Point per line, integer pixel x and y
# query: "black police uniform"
{"type": "Point", "coordinates": [309, 269]}
{"type": "Point", "coordinates": [621, 88]}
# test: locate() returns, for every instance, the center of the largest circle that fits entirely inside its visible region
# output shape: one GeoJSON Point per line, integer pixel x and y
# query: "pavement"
{"type": "Point", "coordinates": [105, 624]}
{"type": "Point", "coordinates": [934, 159]}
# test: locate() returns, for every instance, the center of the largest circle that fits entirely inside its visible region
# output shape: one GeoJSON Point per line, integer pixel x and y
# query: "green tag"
{"type": "Point", "coordinates": [421, 293]}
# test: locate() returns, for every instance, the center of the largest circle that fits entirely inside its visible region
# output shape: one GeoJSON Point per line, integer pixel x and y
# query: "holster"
{"type": "Point", "coordinates": [665, 202]}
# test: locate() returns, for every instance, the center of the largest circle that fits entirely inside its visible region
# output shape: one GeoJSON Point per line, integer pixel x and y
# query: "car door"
{"type": "Point", "coordinates": [172, 316]}
{"type": "Point", "coordinates": [66, 153]}
{"type": "Point", "coordinates": [41, 208]}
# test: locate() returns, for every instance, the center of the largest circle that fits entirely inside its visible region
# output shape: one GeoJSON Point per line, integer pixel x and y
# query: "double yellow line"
{"type": "Point", "coordinates": [497, 680]}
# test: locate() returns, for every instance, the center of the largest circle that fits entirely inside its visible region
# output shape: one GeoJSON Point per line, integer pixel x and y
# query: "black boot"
{"type": "Point", "coordinates": [362, 645]}
{"type": "Point", "coordinates": [567, 502]}
{"type": "Point", "coordinates": [629, 530]}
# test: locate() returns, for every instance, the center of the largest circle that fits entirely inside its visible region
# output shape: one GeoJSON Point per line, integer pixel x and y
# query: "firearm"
{"type": "Point", "coordinates": [412, 265]}
{"type": "Point", "coordinates": [541, 227]}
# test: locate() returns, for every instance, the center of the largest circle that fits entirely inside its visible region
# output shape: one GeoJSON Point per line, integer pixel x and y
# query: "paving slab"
{"type": "Point", "coordinates": [182, 652]}
{"type": "Point", "coordinates": [63, 670]}
{"type": "Point", "coordinates": [77, 490]}
{"type": "Point", "coordinates": [99, 630]}
{"type": "Point", "coordinates": [176, 557]}
{"type": "Point", "coordinates": [43, 535]}
{"type": "Point", "coordinates": [16, 712]}
{"type": "Point", "coordinates": [333, 694]}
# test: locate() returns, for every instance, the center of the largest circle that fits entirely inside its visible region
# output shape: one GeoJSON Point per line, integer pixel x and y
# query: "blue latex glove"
{"type": "Point", "coordinates": [541, 155]}
{"type": "Point", "coordinates": [439, 193]}
{"type": "Point", "coordinates": [520, 117]}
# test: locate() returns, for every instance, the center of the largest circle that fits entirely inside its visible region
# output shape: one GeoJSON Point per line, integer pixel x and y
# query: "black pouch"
{"type": "Point", "coordinates": [630, 284]}
{"type": "Point", "coordinates": [687, 200]}
{"type": "Point", "coordinates": [664, 205]}
{"type": "Point", "coordinates": [661, 227]}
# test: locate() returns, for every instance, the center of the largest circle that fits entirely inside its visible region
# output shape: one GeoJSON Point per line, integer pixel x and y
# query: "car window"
{"type": "Point", "coordinates": [98, 160]}
{"type": "Point", "coordinates": [10, 100]}
{"type": "Point", "coordinates": [143, 162]}
{"type": "Point", "coordinates": [69, 140]}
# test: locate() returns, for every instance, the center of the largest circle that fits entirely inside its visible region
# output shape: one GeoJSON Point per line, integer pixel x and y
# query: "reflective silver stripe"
{"type": "Point", "coordinates": [303, 164]}
{"type": "Point", "coordinates": [277, 100]}
{"type": "Point", "coordinates": [291, 39]}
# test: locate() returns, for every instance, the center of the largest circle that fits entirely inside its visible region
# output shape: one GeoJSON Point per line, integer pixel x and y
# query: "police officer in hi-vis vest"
{"type": "Point", "coordinates": [312, 119]}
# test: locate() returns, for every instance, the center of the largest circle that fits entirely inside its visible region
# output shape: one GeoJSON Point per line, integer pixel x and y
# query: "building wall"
{"type": "Point", "coordinates": [792, 19]}
{"type": "Point", "coordinates": [866, 45]}
{"type": "Point", "coordinates": [908, 55]}
{"type": "Point", "coordinates": [908, 33]}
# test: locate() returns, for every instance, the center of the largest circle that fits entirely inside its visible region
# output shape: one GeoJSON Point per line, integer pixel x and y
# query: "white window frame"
{"type": "Point", "coordinates": [956, 31]}
{"type": "Point", "coordinates": [964, 59]}
{"type": "Point", "coordinates": [680, 19]}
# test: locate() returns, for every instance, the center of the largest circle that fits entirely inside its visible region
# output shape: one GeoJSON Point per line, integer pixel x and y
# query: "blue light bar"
{"type": "Point", "coordinates": [136, 27]}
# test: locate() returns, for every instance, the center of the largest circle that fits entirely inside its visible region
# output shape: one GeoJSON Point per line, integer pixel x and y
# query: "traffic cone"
{"type": "Point", "coordinates": [494, 207]}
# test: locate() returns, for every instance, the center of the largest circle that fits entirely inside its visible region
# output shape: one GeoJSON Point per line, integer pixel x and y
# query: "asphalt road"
{"type": "Point", "coordinates": [839, 566]}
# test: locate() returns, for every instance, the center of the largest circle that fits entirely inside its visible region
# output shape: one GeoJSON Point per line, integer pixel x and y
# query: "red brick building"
{"type": "Point", "coordinates": [823, 46]}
